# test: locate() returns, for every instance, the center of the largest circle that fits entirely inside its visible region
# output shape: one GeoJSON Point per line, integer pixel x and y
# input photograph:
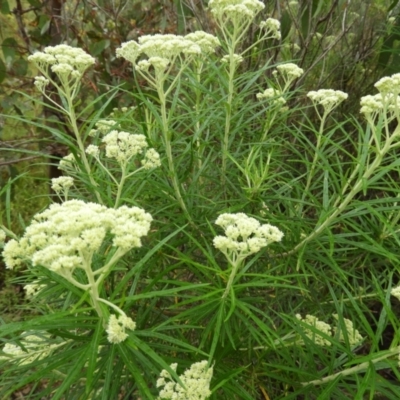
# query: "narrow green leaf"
{"type": "Point", "coordinates": [130, 363]}
{"type": "Point", "coordinates": [73, 375]}
{"type": "Point", "coordinates": [3, 71]}
{"type": "Point", "coordinates": [93, 354]}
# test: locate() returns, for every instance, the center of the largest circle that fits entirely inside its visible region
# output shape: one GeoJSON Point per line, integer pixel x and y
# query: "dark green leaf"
{"type": "Point", "coordinates": [4, 7]}
{"type": "Point", "coordinates": [96, 48]}
{"type": "Point", "coordinates": [2, 71]}
{"type": "Point", "coordinates": [20, 67]}
{"type": "Point", "coordinates": [45, 27]}
{"type": "Point", "coordinates": [9, 47]}
{"type": "Point", "coordinates": [93, 354]}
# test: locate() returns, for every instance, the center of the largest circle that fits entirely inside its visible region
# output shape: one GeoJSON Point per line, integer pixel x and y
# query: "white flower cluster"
{"type": "Point", "coordinates": [116, 328]}
{"type": "Point", "coordinates": [272, 26]}
{"type": "Point", "coordinates": [318, 326]}
{"type": "Point", "coordinates": [41, 82]}
{"type": "Point", "coordinates": [62, 184]}
{"type": "Point", "coordinates": [289, 71]}
{"type": "Point", "coordinates": [207, 42]}
{"type": "Point", "coordinates": [161, 50]}
{"type": "Point", "coordinates": [103, 126]}
{"type": "Point", "coordinates": [389, 84]}
{"type": "Point", "coordinates": [244, 235]}
{"type": "Point", "coordinates": [274, 95]}
{"type": "Point", "coordinates": [237, 59]}
{"type": "Point", "coordinates": [65, 236]}
{"type": "Point", "coordinates": [123, 146]}
{"type": "Point", "coordinates": [396, 292]}
{"type": "Point", "coordinates": [327, 98]}
{"type": "Point", "coordinates": [65, 61]}
{"type": "Point", "coordinates": [237, 10]}
{"type": "Point", "coordinates": [67, 163]}
{"type": "Point", "coordinates": [151, 159]}
{"type": "Point", "coordinates": [386, 101]}
{"type": "Point", "coordinates": [93, 150]}
{"type": "Point", "coordinates": [196, 381]}
{"type": "Point", "coordinates": [32, 289]}
{"type": "Point", "coordinates": [353, 334]}
{"type": "Point", "coordinates": [33, 347]}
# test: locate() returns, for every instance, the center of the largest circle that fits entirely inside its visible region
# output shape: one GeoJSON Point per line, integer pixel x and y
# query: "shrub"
{"type": "Point", "coordinates": [140, 295]}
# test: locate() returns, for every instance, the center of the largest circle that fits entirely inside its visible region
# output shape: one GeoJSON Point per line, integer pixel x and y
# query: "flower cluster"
{"type": "Point", "coordinates": [103, 126]}
{"type": "Point", "coordinates": [207, 42]}
{"type": "Point", "coordinates": [289, 71]}
{"type": "Point", "coordinates": [32, 347]}
{"type": "Point", "coordinates": [237, 59]}
{"type": "Point", "coordinates": [62, 184]}
{"type": "Point", "coordinates": [274, 95]}
{"type": "Point", "coordinates": [65, 61]}
{"type": "Point", "coordinates": [67, 163]}
{"type": "Point", "coordinates": [161, 50]}
{"type": "Point", "coordinates": [65, 236]}
{"type": "Point", "coordinates": [116, 328]}
{"type": "Point", "coordinates": [244, 235]}
{"type": "Point", "coordinates": [32, 289]}
{"type": "Point", "coordinates": [196, 383]}
{"type": "Point", "coordinates": [272, 26]}
{"type": "Point", "coordinates": [389, 84]}
{"type": "Point", "coordinates": [396, 292]}
{"type": "Point", "coordinates": [388, 103]}
{"type": "Point", "coordinates": [318, 326]}
{"type": "Point", "coordinates": [327, 98]}
{"type": "Point", "coordinates": [123, 146]}
{"type": "Point", "coordinates": [41, 82]}
{"type": "Point", "coordinates": [353, 334]}
{"type": "Point", "coordinates": [236, 10]}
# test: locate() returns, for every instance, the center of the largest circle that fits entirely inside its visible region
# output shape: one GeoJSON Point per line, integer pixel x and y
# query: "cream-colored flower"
{"type": "Point", "coordinates": [272, 26]}
{"type": "Point", "coordinates": [32, 347]}
{"type": "Point", "coordinates": [207, 42]}
{"type": "Point", "coordinates": [62, 184]}
{"type": "Point", "coordinates": [116, 328]}
{"type": "Point", "coordinates": [244, 235]}
{"type": "Point", "coordinates": [274, 95]}
{"type": "Point", "coordinates": [327, 98]}
{"type": "Point", "coordinates": [65, 236]}
{"type": "Point", "coordinates": [68, 63]}
{"type": "Point", "coordinates": [395, 292]}
{"type": "Point", "coordinates": [290, 71]}
{"type": "Point", "coordinates": [196, 383]}
{"type": "Point", "coordinates": [235, 10]}
{"type": "Point", "coordinates": [353, 334]}
{"type": "Point", "coordinates": [316, 326]}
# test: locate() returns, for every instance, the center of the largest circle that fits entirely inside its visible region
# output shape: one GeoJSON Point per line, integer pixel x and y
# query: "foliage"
{"type": "Point", "coordinates": [306, 315]}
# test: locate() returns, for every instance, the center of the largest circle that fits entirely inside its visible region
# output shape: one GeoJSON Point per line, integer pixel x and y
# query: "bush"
{"type": "Point", "coordinates": [215, 226]}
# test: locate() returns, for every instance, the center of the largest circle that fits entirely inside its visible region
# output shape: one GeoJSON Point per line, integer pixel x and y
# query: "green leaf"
{"type": "Point", "coordinates": [44, 24]}
{"type": "Point", "coordinates": [4, 7]}
{"type": "Point", "coordinates": [9, 47]}
{"type": "Point", "coordinates": [96, 48]}
{"type": "Point", "coordinates": [20, 67]}
{"type": "Point", "coordinates": [73, 375]}
{"type": "Point", "coordinates": [45, 27]}
{"type": "Point", "coordinates": [2, 71]}
{"type": "Point", "coordinates": [93, 355]}
{"type": "Point", "coordinates": [134, 370]}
